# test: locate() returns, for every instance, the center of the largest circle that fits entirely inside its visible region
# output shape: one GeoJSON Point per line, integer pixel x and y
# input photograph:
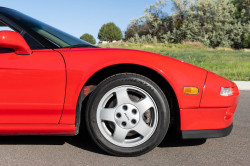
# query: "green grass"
{"type": "Point", "coordinates": [233, 65]}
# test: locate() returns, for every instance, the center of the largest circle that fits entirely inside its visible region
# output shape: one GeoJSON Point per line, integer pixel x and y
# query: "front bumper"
{"type": "Point", "coordinates": [206, 122]}
{"type": "Point", "coordinates": [201, 134]}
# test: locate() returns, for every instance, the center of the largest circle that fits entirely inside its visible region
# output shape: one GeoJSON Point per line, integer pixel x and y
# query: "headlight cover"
{"type": "Point", "coordinates": [226, 91]}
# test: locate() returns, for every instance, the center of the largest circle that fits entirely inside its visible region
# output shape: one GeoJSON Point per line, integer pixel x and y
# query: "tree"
{"type": "Point", "coordinates": [180, 11]}
{"type": "Point", "coordinates": [243, 16]}
{"type": "Point", "coordinates": [154, 22]}
{"type": "Point", "coordinates": [109, 32]}
{"type": "Point", "coordinates": [180, 14]}
{"type": "Point", "coordinates": [242, 10]}
{"type": "Point", "coordinates": [211, 22]}
{"type": "Point", "coordinates": [88, 38]}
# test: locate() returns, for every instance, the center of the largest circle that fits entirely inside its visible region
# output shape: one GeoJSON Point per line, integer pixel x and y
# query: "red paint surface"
{"type": "Point", "coordinates": [83, 63]}
{"type": "Point", "coordinates": [211, 97]}
{"type": "Point", "coordinates": [37, 129]}
{"type": "Point", "coordinates": [11, 39]}
{"type": "Point", "coordinates": [206, 118]}
{"type": "Point", "coordinates": [32, 87]}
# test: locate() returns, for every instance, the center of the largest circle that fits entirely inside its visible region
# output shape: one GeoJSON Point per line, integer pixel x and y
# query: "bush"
{"type": "Point", "coordinates": [175, 37]}
{"type": "Point", "coordinates": [144, 39]}
{"type": "Point", "coordinates": [246, 42]}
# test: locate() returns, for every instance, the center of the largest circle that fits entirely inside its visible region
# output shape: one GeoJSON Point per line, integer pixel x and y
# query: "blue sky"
{"type": "Point", "coordinates": [77, 17]}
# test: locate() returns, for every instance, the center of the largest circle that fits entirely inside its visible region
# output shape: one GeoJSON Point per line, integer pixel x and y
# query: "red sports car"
{"type": "Point", "coordinates": [51, 82]}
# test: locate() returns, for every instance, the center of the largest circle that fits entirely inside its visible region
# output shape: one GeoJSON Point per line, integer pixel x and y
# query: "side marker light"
{"type": "Point", "coordinates": [191, 90]}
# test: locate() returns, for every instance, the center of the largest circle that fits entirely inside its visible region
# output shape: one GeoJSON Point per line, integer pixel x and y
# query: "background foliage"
{"type": "Point", "coordinates": [88, 38]}
{"type": "Point", "coordinates": [215, 23]}
{"type": "Point", "coordinates": [110, 32]}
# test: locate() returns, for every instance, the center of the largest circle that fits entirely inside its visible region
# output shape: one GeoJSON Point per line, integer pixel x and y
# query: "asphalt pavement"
{"type": "Point", "coordinates": [81, 150]}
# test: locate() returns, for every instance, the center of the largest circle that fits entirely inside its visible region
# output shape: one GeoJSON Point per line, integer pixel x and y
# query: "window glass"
{"type": "Point", "coordinates": [4, 27]}
{"type": "Point", "coordinates": [53, 35]}
{"type": "Point", "coordinates": [30, 41]}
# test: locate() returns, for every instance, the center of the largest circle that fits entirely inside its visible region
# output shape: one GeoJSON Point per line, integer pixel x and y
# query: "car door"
{"type": "Point", "coordinates": [32, 87]}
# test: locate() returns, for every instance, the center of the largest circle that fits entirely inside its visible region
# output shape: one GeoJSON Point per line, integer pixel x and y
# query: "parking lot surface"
{"type": "Point", "coordinates": [81, 150]}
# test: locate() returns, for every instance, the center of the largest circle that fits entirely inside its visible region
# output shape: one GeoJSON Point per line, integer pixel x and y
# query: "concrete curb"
{"type": "Point", "coordinates": [243, 85]}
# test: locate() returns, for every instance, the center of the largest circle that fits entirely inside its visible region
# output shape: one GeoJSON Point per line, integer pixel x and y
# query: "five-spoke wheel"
{"type": "Point", "coordinates": [127, 115]}
{"type": "Point", "coordinates": [125, 124]}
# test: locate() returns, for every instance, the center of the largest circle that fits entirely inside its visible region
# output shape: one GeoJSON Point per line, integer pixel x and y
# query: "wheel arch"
{"type": "Point", "coordinates": [156, 77]}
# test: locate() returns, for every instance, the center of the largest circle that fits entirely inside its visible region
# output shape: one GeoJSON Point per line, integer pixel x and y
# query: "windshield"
{"type": "Point", "coordinates": [53, 35]}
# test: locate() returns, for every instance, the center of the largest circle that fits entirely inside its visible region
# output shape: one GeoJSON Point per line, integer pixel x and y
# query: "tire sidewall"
{"type": "Point", "coordinates": [152, 89]}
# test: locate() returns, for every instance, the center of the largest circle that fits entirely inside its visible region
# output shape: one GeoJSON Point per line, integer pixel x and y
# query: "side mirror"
{"type": "Point", "coordinates": [14, 40]}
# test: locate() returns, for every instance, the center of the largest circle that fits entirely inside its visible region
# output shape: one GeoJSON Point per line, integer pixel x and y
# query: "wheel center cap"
{"type": "Point", "coordinates": [127, 116]}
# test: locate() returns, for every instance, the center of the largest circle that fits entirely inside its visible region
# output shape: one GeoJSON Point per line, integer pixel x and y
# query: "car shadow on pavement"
{"type": "Point", "coordinates": [174, 139]}
{"type": "Point", "coordinates": [84, 141]}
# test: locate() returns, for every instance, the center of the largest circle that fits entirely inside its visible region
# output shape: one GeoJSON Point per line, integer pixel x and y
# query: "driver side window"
{"type": "Point", "coordinates": [30, 40]}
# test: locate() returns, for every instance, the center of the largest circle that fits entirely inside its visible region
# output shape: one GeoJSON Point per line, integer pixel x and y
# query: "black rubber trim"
{"type": "Point", "coordinates": [202, 134]}
{"type": "Point", "coordinates": [18, 28]}
{"type": "Point", "coordinates": [86, 90]}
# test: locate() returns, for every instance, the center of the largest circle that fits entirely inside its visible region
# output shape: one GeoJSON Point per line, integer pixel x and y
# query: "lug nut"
{"type": "Point", "coordinates": [134, 111]}
{"type": "Point", "coordinates": [125, 107]}
{"type": "Point", "coordinates": [124, 124]}
{"type": "Point", "coordinates": [118, 115]}
{"type": "Point", "coordinates": [133, 121]}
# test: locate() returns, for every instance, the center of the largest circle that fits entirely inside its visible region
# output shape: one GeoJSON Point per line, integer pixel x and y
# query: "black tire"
{"type": "Point", "coordinates": [135, 80]}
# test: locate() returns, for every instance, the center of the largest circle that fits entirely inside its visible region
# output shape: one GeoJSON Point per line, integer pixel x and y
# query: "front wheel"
{"type": "Point", "coordinates": [127, 115]}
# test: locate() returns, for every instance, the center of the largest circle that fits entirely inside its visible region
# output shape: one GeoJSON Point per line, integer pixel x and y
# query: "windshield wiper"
{"type": "Point", "coordinates": [81, 46]}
